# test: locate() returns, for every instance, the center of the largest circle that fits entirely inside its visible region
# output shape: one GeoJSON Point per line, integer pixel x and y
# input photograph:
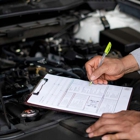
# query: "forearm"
{"type": "Point", "coordinates": [130, 64]}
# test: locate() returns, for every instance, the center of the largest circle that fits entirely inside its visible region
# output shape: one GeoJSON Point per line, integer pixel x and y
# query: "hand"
{"type": "Point", "coordinates": [111, 69]}
{"type": "Point", "coordinates": [124, 125]}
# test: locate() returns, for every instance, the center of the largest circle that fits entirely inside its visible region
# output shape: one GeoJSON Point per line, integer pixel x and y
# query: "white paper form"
{"type": "Point", "coordinates": [74, 95]}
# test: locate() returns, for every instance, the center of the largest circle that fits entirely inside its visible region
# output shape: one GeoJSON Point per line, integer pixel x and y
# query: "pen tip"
{"type": "Point", "coordinates": [90, 83]}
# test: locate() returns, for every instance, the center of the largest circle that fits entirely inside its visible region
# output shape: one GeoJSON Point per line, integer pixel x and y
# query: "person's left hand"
{"type": "Point", "coordinates": [124, 125]}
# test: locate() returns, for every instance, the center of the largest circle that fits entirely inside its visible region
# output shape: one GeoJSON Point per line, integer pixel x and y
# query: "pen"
{"type": "Point", "coordinates": [107, 50]}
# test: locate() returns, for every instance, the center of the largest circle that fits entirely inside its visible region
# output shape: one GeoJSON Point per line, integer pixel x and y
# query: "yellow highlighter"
{"type": "Point", "coordinates": [106, 52]}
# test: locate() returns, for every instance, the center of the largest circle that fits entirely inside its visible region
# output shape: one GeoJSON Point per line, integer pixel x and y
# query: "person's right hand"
{"type": "Point", "coordinates": [111, 69]}
{"type": "Point", "coordinates": [124, 125]}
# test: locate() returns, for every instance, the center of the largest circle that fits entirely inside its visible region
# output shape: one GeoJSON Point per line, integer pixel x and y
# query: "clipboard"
{"type": "Point", "coordinates": [78, 97]}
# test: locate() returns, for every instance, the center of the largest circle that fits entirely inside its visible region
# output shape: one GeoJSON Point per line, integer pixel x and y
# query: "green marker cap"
{"type": "Point", "coordinates": [107, 50]}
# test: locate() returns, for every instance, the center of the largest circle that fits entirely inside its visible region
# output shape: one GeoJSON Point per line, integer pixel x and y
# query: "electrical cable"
{"type": "Point", "coordinates": [8, 62]}
{"type": "Point", "coordinates": [78, 69]}
{"type": "Point", "coordinates": [3, 106]}
{"type": "Point", "coordinates": [66, 72]}
{"type": "Point", "coordinates": [7, 52]}
{"type": "Point", "coordinates": [61, 70]}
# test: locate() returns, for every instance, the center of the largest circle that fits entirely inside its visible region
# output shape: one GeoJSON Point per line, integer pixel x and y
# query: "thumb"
{"type": "Point", "coordinates": [98, 72]}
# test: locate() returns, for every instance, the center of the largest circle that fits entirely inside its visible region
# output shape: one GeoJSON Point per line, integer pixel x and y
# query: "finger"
{"type": "Point", "coordinates": [89, 68]}
{"type": "Point", "coordinates": [106, 129]}
{"type": "Point", "coordinates": [98, 72]}
{"type": "Point", "coordinates": [88, 76]}
{"type": "Point", "coordinates": [116, 136]}
{"type": "Point", "coordinates": [89, 73]}
{"type": "Point", "coordinates": [111, 128]}
{"type": "Point", "coordinates": [100, 81]}
{"type": "Point", "coordinates": [100, 123]}
{"type": "Point", "coordinates": [113, 115]}
{"type": "Point", "coordinates": [95, 82]}
{"type": "Point", "coordinates": [103, 82]}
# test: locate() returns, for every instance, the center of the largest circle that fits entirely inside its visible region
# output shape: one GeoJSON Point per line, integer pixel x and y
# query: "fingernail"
{"type": "Point", "coordinates": [90, 135]}
{"type": "Point", "coordinates": [93, 77]}
{"type": "Point", "coordinates": [88, 130]}
{"type": "Point", "coordinates": [104, 138]}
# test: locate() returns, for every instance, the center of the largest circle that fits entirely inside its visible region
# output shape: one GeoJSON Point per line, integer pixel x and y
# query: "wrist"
{"type": "Point", "coordinates": [130, 64]}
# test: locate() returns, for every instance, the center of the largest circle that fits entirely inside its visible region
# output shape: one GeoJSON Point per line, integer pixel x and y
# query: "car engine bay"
{"type": "Point", "coordinates": [30, 50]}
